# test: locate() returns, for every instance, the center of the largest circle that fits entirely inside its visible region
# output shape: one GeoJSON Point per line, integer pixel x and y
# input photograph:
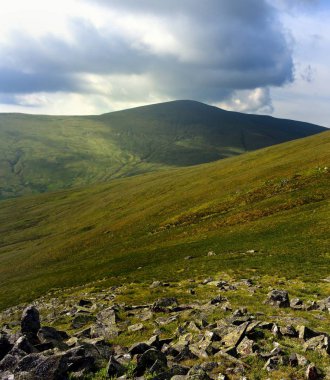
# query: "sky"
{"type": "Point", "coordinates": [96, 56]}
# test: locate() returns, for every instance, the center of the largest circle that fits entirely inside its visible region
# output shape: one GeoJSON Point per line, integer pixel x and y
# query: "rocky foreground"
{"type": "Point", "coordinates": [165, 339]}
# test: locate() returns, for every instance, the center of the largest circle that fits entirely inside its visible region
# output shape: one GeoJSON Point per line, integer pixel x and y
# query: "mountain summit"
{"type": "Point", "coordinates": [43, 153]}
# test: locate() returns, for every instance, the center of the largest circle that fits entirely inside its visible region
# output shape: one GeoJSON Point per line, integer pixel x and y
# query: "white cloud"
{"type": "Point", "coordinates": [255, 101]}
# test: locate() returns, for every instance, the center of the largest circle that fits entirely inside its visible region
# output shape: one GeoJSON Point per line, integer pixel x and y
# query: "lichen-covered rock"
{"type": "Point", "coordinates": [278, 298]}
{"type": "Point", "coordinates": [164, 303]}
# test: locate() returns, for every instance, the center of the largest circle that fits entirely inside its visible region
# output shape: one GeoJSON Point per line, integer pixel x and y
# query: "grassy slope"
{"type": "Point", "coordinates": [42, 153]}
{"type": "Point", "coordinates": [274, 200]}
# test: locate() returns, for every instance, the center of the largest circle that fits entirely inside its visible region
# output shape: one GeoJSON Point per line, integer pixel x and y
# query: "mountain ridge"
{"type": "Point", "coordinates": [45, 153]}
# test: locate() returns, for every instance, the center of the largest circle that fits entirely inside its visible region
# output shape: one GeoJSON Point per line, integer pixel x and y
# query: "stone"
{"type": "Point", "coordinates": [46, 334]}
{"type": "Point", "coordinates": [293, 360]}
{"type": "Point", "coordinates": [163, 303]}
{"type": "Point", "coordinates": [51, 368]}
{"type": "Point", "coordinates": [81, 319]}
{"type": "Point", "coordinates": [235, 336]}
{"type": "Point", "coordinates": [306, 333]}
{"type": "Point", "coordinates": [246, 347]}
{"type": "Point", "coordinates": [80, 359]}
{"type": "Point", "coordinates": [296, 303]}
{"type": "Point", "coordinates": [278, 298]}
{"type": "Point", "coordinates": [136, 327]}
{"type": "Point", "coordinates": [24, 344]}
{"type": "Point", "coordinates": [114, 368]}
{"type": "Point", "coordinates": [155, 342]}
{"type": "Point", "coordinates": [150, 358]}
{"type": "Point", "coordinates": [9, 362]}
{"type": "Point", "coordinates": [319, 343]}
{"type": "Point", "coordinates": [156, 284]}
{"type": "Point", "coordinates": [85, 303]}
{"type": "Point", "coordinates": [312, 373]}
{"type": "Point", "coordinates": [197, 373]}
{"type": "Point", "coordinates": [218, 299]}
{"type": "Point", "coordinates": [302, 361]}
{"type": "Point", "coordinates": [30, 322]}
{"type": "Point", "coordinates": [139, 348]}
{"type": "Point", "coordinates": [5, 345]}
{"type": "Point", "coordinates": [272, 363]}
{"type": "Point", "coordinates": [30, 362]}
{"type": "Point", "coordinates": [289, 331]}
{"type": "Point", "coordinates": [211, 253]}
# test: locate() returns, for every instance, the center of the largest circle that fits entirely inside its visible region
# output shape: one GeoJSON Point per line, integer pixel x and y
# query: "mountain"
{"type": "Point", "coordinates": [43, 153]}
{"type": "Point", "coordinates": [264, 213]}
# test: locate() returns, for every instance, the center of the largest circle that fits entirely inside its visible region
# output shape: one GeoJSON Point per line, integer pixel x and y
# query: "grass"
{"type": "Point", "coordinates": [47, 153]}
{"type": "Point", "coordinates": [274, 201]}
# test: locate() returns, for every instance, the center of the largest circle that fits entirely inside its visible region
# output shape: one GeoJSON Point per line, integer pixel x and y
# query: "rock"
{"type": "Point", "coordinates": [156, 284]}
{"type": "Point", "coordinates": [163, 303]}
{"type": "Point", "coordinates": [276, 331]}
{"type": "Point", "coordinates": [136, 327]}
{"type": "Point", "coordinates": [296, 303]}
{"type": "Point", "coordinates": [207, 280]}
{"type": "Point", "coordinates": [5, 345]}
{"type": "Point", "coordinates": [181, 352]}
{"type": "Point", "coordinates": [81, 319]}
{"type": "Point", "coordinates": [246, 347]}
{"type": "Point", "coordinates": [211, 253]}
{"type": "Point", "coordinates": [80, 360]}
{"type": "Point", "coordinates": [247, 282]}
{"type": "Point", "coordinates": [108, 316]}
{"type": "Point", "coordinates": [324, 305]}
{"type": "Point", "coordinates": [218, 299]}
{"type": "Point", "coordinates": [84, 303]}
{"type": "Point", "coordinates": [51, 368]}
{"type": "Point", "coordinates": [10, 361]}
{"type": "Point", "coordinates": [306, 333]}
{"type": "Point", "coordinates": [235, 336]}
{"type": "Point", "coordinates": [278, 298]}
{"type": "Point", "coordinates": [197, 373]}
{"type": "Point", "coordinates": [114, 368]}
{"type": "Point", "coordinates": [241, 312]}
{"type": "Point", "coordinates": [50, 334]}
{"type": "Point", "coordinates": [106, 324]}
{"type": "Point", "coordinates": [319, 343]}
{"type": "Point", "coordinates": [198, 352]}
{"type": "Point", "coordinates": [312, 373]}
{"type": "Point", "coordinates": [155, 342]}
{"type": "Point", "coordinates": [302, 361]}
{"type": "Point", "coordinates": [150, 360]}
{"type": "Point", "coordinates": [289, 331]}
{"type": "Point", "coordinates": [139, 348]}
{"type": "Point", "coordinates": [272, 363]}
{"type": "Point", "coordinates": [293, 360]}
{"type": "Point", "coordinates": [312, 305]}
{"type": "Point", "coordinates": [24, 344]}
{"type": "Point", "coordinates": [7, 376]}
{"type": "Point", "coordinates": [30, 322]}
{"type": "Point", "coordinates": [30, 362]}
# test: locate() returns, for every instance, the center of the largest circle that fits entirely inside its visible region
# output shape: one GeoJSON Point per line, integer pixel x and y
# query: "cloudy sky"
{"type": "Point", "coordinates": [95, 56]}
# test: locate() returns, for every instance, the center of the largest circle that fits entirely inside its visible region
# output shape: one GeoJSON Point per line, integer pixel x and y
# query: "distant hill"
{"type": "Point", "coordinates": [274, 201]}
{"type": "Point", "coordinates": [43, 153]}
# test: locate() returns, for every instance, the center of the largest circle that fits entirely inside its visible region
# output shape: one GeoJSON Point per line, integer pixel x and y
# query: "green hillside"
{"type": "Point", "coordinates": [274, 201]}
{"type": "Point", "coordinates": [43, 153]}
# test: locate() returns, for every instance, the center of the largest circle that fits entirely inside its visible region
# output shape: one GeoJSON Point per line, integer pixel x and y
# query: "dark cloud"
{"type": "Point", "coordinates": [221, 46]}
